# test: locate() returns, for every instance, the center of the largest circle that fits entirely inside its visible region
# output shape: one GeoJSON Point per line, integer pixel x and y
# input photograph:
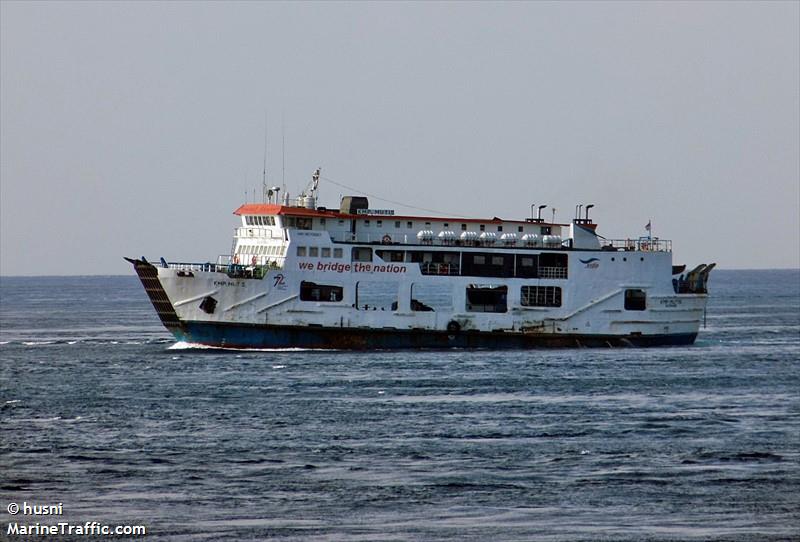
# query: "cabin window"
{"type": "Point", "coordinates": [326, 253]}
{"type": "Point", "coordinates": [391, 255]}
{"type": "Point", "coordinates": [446, 225]}
{"type": "Point", "coordinates": [313, 252]}
{"type": "Point", "coordinates": [540, 296]}
{"type": "Point", "coordinates": [304, 223]}
{"type": "Point", "coordinates": [545, 230]}
{"type": "Point", "coordinates": [310, 291]}
{"type": "Point", "coordinates": [321, 221]}
{"type": "Point", "coordinates": [527, 266]}
{"type": "Point", "coordinates": [519, 229]}
{"type": "Point", "coordinates": [463, 227]}
{"type": "Point", "coordinates": [366, 223]}
{"type": "Point", "coordinates": [428, 225]}
{"type": "Point", "coordinates": [499, 228]}
{"type": "Point", "coordinates": [247, 220]}
{"type": "Point", "coordinates": [635, 300]}
{"type": "Point", "coordinates": [301, 252]}
{"type": "Point", "coordinates": [428, 297]}
{"type": "Point", "coordinates": [409, 225]}
{"type": "Point", "coordinates": [378, 295]}
{"type": "Point", "coordinates": [482, 227]}
{"type": "Point", "coordinates": [337, 252]}
{"type": "Point", "coordinates": [379, 223]}
{"type": "Point", "coordinates": [487, 264]}
{"type": "Point", "coordinates": [361, 254]}
{"type": "Point", "coordinates": [397, 224]}
{"type": "Point", "coordinates": [482, 298]}
{"type": "Point", "coordinates": [341, 222]}
{"type": "Point", "coordinates": [552, 266]}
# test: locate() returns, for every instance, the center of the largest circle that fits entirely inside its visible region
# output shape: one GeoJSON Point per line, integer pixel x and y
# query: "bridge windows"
{"type": "Point", "coordinates": [256, 220]}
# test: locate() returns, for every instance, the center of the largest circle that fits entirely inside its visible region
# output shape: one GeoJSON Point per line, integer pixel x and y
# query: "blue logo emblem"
{"type": "Point", "coordinates": [591, 263]}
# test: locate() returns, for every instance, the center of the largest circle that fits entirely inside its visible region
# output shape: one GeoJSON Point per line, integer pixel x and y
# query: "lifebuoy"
{"type": "Point", "coordinates": [253, 260]}
{"type": "Point", "coordinates": [386, 239]}
{"type": "Point", "coordinates": [453, 326]}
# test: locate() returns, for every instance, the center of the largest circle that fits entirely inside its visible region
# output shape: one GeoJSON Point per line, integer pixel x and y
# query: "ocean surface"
{"type": "Point", "coordinates": [100, 411]}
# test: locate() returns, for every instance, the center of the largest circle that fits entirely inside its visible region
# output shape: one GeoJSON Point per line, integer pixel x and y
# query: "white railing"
{"type": "Point", "coordinates": [642, 244]}
{"type": "Point", "coordinates": [552, 272]}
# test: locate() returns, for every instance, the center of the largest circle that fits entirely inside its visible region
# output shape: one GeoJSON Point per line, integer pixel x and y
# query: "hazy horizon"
{"type": "Point", "coordinates": [131, 129]}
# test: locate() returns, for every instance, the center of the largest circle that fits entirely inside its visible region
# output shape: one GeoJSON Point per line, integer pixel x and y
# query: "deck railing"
{"type": "Point", "coordinates": [432, 268]}
{"type": "Point", "coordinates": [642, 244]}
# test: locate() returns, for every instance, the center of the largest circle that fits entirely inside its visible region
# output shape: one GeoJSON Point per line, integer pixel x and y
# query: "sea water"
{"type": "Point", "coordinates": [102, 413]}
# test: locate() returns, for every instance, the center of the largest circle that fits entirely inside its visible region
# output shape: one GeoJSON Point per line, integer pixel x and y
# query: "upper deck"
{"type": "Point", "coordinates": [271, 223]}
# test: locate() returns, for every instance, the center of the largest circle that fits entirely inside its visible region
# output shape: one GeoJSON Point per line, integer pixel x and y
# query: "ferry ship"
{"type": "Point", "coordinates": [300, 275]}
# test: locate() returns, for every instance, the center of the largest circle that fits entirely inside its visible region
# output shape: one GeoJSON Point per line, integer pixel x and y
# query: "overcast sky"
{"type": "Point", "coordinates": [135, 129]}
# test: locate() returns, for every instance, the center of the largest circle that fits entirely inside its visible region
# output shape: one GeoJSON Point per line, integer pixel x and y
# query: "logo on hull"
{"type": "Point", "coordinates": [591, 263]}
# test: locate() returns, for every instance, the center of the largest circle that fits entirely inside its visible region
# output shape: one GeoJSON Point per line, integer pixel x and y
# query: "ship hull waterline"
{"type": "Point", "coordinates": [262, 336]}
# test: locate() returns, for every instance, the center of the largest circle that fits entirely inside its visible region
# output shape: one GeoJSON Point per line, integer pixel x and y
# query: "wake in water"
{"type": "Point", "coordinates": [183, 345]}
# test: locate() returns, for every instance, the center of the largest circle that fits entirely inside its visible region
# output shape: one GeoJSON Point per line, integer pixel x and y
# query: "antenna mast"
{"type": "Point", "coordinates": [264, 188]}
{"type": "Point", "coordinates": [283, 154]}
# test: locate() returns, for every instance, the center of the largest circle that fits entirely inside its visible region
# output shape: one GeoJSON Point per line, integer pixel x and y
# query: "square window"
{"type": "Point", "coordinates": [341, 222]}
{"type": "Point", "coordinates": [379, 223]}
{"type": "Point", "coordinates": [463, 227]}
{"type": "Point", "coordinates": [321, 221]}
{"type": "Point", "coordinates": [409, 225]}
{"type": "Point", "coordinates": [366, 222]}
{"type": "Point", "coordinates": [396, 223]}
{"type": "Point", "coordinates": [337, 252]}
{"type": "Point", "coordinates": [482, 227]}
{"type": "Point", "coordinates": [428, 225]}
{"type": "Point", "coordinates": [301, 251]}
{"type": "Point", "coordinates": [519, 229]}
{"type": "Point", "coordinates": [497, 260]}
{"type": "Point", "coordinates": [313, 252]}
{"type": "Point", "coordinates": [479, 260]}
{"type": "Point", "coordinates": [446, 225]}
{"type": "Point", "coordinates": [499, 228]}
{"type": "Point", "coordinates": [326, 253]}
